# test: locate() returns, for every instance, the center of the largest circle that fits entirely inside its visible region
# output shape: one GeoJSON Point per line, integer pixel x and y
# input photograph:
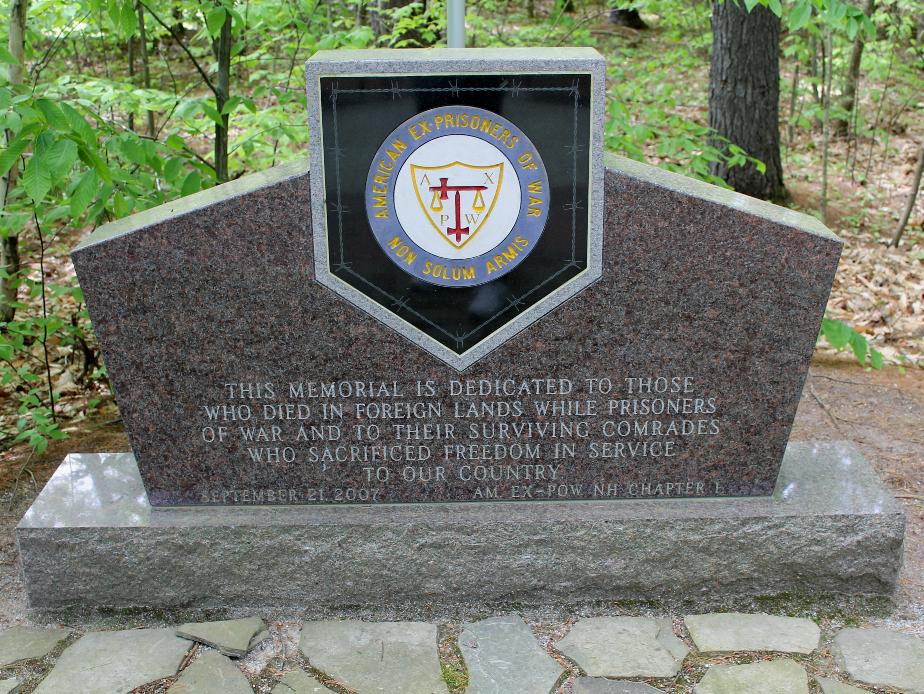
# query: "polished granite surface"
{"type": "Point", "coordinates": [697, 283]}
{"type": "Point", "coordinates": [105, 490]}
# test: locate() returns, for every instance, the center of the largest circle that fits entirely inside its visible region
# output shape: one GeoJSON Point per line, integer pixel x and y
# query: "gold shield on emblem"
{"type": "Point", "coordinates": [457, 199]}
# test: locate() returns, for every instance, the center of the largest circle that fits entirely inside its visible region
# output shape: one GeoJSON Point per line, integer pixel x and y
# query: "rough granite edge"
{"type": "Point", "coordinates": [453, 59]}
{"type": "Point", "coordinates": [195, 202]}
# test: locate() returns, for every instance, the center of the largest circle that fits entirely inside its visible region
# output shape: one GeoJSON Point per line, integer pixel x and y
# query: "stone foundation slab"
{"type": "Point", "coordinates": [92, 540]}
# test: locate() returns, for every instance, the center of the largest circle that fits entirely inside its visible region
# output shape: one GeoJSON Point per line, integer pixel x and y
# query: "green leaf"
{"type": "Point", "coordinates": [800, 15]}
{"type": "Point", "coordinates": [751, 4]}
{"type": "Point", "coordinates": [83, 194]}
{"type": "Point", "coordinates": [191, 183]}
{"type": "Point", "coordinates": [214, 20]}
{"type": "Point", "coordinates": [11, 154]}
{"type": "Point", "coordinates": [53, 114]}
{"type": "Point", "coordinates": [852, 27]}
{"type": "Point", "coordinates": [134, 151]}
{"type": "Point", "coordinates": [875, 359]}
{"type": "Point", "coordinates": [858, 345]}
{"type": "Point", "coordinates": [123, 17]}
{"type": "Point", "coordinates": [122, 205]}
{"type": "Point", "coordinates": [129, 18]}
{"type": "Point", "coordinates": [187, 109]}
{"type": "Point", "coordinates": [56, 433]}
{"type": "Point", "coordinates": [231, 104]}
{"type": "Point", "coordinates": [39, 442]}
{"type": "Point", "coordinates": [11, 120]}
{"type": "Point", "coordinates": [6, 352]}
{"type": "Point", "coordinates": [60, 157]}
{"type": "Point", "coordinates": [836, 333]}
{"type": "Point", "coordinates": [775, 7]}
{"type": "Point", "coordinates": [174, 141]}
{"type": "Point", "coordinates": [79, 125]}
{"type": "Point", "coordinates": [36, 179]}
{"type": "Point", "coordinates": [7, 57]}
{"type": "Point", "coordinates": [172, 168]}
{"type": "Point", "coordinates": [91, 158]}
{"type": "Point", "coordinates": [212, 112]}
{"type": "Point", "coordinates": [840, 335]}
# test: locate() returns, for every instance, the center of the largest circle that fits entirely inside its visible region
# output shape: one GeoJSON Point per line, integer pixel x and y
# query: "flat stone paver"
{"type": "Point", "coordinates": [503, 657]}
{"type": "Point", "coordinates": [734, 631]}
{"type": "Point", "coordinates": [115, 662]}
{"type": "Point", "coordinates": [299, 682]}
{"type": "Point", "coordinates": [233, 637]}
{"type": "Point", "coordinates": [624, 647]}
{"type": "Point", "coordinates": [393, 657]}
{"type": "Point", "coordinates": [28, 643]}
{"type": "Point", "coordinates": [881, 658]}
{"type": "Point", "coordinates": [600, 685]}
{"type": "Point", "coordinates": [829, 686]}
{"type": "Point", "coordinates": [10, 686]}
{"type": "Point", "coordinates": [211, 673]}
{"type": "Point", "coordinates": [768, 677]}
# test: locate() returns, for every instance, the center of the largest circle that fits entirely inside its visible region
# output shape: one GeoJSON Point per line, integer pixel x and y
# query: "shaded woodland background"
{"type": "Point", "coordinates": [112, 107]}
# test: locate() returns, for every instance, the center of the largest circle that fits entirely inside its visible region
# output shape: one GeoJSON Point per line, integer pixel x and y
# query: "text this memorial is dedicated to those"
{"type": "Point", "coordinates": [540, 438]}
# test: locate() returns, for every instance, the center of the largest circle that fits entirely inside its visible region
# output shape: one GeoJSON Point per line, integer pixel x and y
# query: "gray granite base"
{"type": "Point", "coordinates": [92, 540]}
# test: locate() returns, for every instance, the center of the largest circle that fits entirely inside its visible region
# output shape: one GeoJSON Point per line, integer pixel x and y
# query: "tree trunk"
{"type": "Point", "coordinates": [145, 68]}
{"type": "Point", "coordinates": [131, 77]}
{"type": "Point", "coordinates": [627, 18]}
{"type": "Point", "coordinates": [222, 93]}
{"type": "Point", "coordinates": [912, 197]}
{"type": "Point", "coordinates": [849, 94]}
{"type": "Point", "coordinates": [19, 9]}
{"type": "Point", "coordinates": [375, 18]}
{"type": "Point", "coordinates": [744, 96]}
{"type": "Point", "coordinates": [791, 121]}
{"type": "Point", "coordinates": [828, 71]}
{"type": "Point", "coordinates": [9, 245]}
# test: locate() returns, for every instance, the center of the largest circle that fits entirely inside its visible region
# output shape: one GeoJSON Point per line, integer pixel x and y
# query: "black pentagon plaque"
{"type": "Point", "coordinates": [457, 206]}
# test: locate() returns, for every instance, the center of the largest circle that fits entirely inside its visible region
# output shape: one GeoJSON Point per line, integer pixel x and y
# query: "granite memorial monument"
{"type": "Point", "coordinates": [461, 302]}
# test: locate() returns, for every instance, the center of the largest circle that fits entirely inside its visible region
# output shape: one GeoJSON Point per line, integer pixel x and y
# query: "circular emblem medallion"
{"type": "Point", "coordinates": [457, 196]}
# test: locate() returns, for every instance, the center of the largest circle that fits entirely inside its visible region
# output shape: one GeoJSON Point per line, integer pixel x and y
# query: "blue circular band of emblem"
{"type": "Point", "coordinates": [464, 198]}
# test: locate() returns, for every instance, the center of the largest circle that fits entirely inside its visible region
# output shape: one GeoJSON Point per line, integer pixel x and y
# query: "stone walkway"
{"type": "Point", "coordinates": [728, 653]}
